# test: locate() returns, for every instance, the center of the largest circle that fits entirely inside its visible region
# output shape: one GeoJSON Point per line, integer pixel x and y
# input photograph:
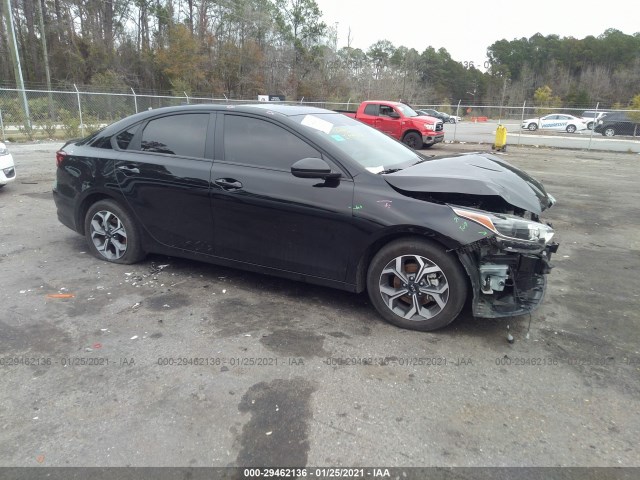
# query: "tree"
{"type": "Point", "coordinates": [543, 99]}
{"type": "Point", "coordinates": [180, 60]}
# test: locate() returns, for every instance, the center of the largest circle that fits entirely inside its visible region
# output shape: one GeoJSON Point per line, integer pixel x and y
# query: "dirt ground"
{"type": "Point", "coordinates": [177, 363]}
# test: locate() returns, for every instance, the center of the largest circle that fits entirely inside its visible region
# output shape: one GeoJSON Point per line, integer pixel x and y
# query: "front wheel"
{"type": "Point", "coordinates": [112, 234]}
{"type": "Point", "coordinates": [609, 132]}
{"type": "Point", "coordinates": [415, 284]}
{"type": "Point", "coordinates": [532, 127]}
{"type": "Point", "coordinates": [452, 120]}
{"type": "Point", "coordinates": [571, 128]}
{"type": "Point", "coordinates": [413, 140]}
{"type": "Point", "coordinates": [590, 125]}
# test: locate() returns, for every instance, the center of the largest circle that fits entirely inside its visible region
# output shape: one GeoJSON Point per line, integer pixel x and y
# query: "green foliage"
{"type": "Point", "coordinates": [28, 131]}
{"type": "Point", "coordinates": [635, 105]}
{"type": "Point", "coordinates": [91, 124]}
{"type": "Point", "coordinates": [544, 100]}
{"type": "Point", "coordinates": [70, 124]}
{"type": "Point", "coordinates": [48, 126]}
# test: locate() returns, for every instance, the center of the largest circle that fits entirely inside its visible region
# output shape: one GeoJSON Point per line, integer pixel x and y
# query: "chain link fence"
{"type": "Point", "coordinates": [42, 114]}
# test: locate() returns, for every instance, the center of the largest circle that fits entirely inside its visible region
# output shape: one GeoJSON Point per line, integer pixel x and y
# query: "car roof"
{"type": "Point", "coordinates": [260, 108]}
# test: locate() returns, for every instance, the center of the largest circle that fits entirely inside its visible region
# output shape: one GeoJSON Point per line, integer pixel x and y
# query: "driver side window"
{"type": "Point", "coordinates": [386, 110]}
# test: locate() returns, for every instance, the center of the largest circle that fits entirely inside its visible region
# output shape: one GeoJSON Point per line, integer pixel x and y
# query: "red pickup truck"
{"type": "Point", "coordinates": [401, 122]}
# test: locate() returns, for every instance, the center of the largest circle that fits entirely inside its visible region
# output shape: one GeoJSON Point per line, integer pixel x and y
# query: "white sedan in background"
{"type": "Point", "coordinates": [555, 121]}
{"type": "Point", "coordinates": [7, 168]}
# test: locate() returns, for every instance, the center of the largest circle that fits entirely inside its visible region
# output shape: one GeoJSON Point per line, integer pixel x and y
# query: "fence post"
{"type": "Point", "coordinates": [455, 128]}
{"type": "Point", "coordinates": [4, 139]}
{"type": "Point", "coordinates": [79, 109]}
{"type": "Point", "coordinates": [135, 99]}
{"type": "Point", "coordinates": [594, 126]}
{"type": "Point", "coordinates": [187, 96]}
{"type": "Point", "coordinates": [521, 121]}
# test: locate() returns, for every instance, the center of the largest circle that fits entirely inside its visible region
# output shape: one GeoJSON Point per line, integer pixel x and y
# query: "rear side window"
{"type": "Point", "coordinates": [371, 109]}
{"type": "Point", "coordinates": [123, 139]}
{"type": "Point", "coordinates": [182, 135]}
{"type": "Point", "coordinates": [255, 142]}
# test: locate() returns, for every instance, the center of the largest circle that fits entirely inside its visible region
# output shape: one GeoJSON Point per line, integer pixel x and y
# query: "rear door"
{"type": "Point", "coordinates": [369, 115]}
{"type": "Point", "coordinates": [264, 215]}
{"type": "Point", "coordinates": [164, 173]}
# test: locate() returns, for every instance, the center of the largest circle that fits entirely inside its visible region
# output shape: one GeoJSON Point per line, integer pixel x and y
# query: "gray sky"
{"type": "Point", "coordinates": [467, 27]}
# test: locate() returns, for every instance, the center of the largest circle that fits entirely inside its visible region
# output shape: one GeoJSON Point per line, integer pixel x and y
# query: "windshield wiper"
{"type": "Point", "coordinates": [391, 170]}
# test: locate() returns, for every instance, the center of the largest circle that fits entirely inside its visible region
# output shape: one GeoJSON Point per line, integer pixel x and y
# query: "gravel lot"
{"type": "Point", "coordinates": [107, 377]}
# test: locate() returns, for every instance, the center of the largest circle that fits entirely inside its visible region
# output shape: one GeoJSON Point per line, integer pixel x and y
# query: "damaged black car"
{"type": "Point", "coordinates": [315, 196]}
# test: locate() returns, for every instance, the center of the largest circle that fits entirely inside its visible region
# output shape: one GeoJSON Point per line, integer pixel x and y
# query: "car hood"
{"type": "Point", "coordinates": [474, 174]}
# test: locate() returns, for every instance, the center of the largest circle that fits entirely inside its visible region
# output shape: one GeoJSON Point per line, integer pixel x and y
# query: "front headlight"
{"type": "Point", "coordinates": [509, 226]}
{"type": "Point", "coordinates": [4, 150]}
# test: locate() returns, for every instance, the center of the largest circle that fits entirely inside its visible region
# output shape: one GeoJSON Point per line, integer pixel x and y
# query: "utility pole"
{"type": "Point", "coordinates": [45, 54]}
{"type": "Point", "coordinates": [15, 56]}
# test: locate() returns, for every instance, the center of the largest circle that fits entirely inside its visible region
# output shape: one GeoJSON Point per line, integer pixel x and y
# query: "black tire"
{"type": "Point", "coordinates": [609, 132]}
{"type": "Point", "coordinates": [444, 279]}
{"type": "Point", "coordinates": [590, 125]}
{"type": "Point", "coordinates": [571, 128]}
{"type": "Point", "coordinates": [427, 145]}
{"type": "Point", "coordinates": [532, 127]}
{"type": "Point", "coordinates": [112, 227]}
{"type": "Point", "coordinates": [452, 120]}
{"type": "Point", "coordinates": [413, 140]}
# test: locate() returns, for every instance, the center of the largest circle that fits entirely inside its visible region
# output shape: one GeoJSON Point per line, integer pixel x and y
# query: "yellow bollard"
{"type": "Point", "coordinates": [501, 139]}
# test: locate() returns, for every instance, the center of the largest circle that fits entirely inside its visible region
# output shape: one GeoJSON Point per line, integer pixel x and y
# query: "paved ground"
{"type": "Point", "coordinates": [111, 380]}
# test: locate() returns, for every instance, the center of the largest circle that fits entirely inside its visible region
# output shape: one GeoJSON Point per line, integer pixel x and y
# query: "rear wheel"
{"type": "Point", "coordinates": [452, 120]}
{"type": "Point", "coordinates": [571, 128]}
{"type": "Point", "coordinates": [609, 132]}
{"type": "Point", "coordinates": [415, 284]}
{"type": "Point", "coordinates": [532, 126]}
{"type": "Point", "coordinates": [413, 140]}
{"type": "Point", "coordinates": [590, 125]}
{"type": "Point", "coordinates": [112, 234]}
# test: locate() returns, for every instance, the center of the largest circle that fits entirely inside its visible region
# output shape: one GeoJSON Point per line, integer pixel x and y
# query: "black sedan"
{"type": "Point", "coordinates": [617, 123]}
{"type": "Point", "coordinates": [430, 112]}
{"type": "Point", "coordinates": [312, 195]}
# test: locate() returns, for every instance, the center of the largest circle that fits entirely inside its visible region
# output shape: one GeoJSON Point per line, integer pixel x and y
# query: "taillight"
{"type": "Point", "coordinates": [60, 156]}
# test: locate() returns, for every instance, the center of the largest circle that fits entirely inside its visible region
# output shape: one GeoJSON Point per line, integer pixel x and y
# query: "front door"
{"type": "Point", "coordinates": [266, 216]}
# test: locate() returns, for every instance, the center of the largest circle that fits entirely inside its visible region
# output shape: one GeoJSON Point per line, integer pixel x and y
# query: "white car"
{"type": "Point", "coordinates": [7, 168]}
{"type": "Point", "coordinates": [555, 121]}
{"type": "Point", "coordinates": [454, 119]}
{"type": "Point", "coordinates": [591, 117]}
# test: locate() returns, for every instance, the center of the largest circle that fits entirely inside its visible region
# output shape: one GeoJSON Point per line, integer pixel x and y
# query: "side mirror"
{"type": "Point", "coordinates": [313, 168]}
{"type": "Point", "coordinates": [394, 115]}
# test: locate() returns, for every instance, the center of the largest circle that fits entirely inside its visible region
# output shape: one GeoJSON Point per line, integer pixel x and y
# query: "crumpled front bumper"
{"type": "Point", "coordinates": [507, 278]}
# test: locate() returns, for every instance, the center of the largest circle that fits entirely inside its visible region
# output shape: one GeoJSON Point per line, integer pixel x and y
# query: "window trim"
{"type": "Point", "coordinates": [136, 141]}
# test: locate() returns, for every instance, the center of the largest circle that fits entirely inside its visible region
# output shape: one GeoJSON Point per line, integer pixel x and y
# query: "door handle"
{"type": "Point", "coordinates": [228, 183]}
{"type": "Point", "coordinates": [128, 168]}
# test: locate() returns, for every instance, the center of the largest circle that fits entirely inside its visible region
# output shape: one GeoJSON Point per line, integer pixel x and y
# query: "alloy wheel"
{"type": "Point", "coordinates": [108, 235]}
{"type": "Point", "coordinates": [413, 287]}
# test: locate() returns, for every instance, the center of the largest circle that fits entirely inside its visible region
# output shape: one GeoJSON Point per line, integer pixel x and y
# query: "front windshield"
{"type": "Point", "coordinates": [407, 110]}
{"type": "Point", "coordinates": [369, 147]}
